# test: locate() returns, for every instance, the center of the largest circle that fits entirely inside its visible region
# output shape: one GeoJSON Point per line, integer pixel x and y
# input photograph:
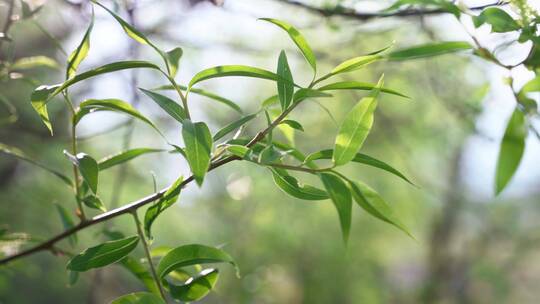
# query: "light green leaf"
{"type": "Point", "coordinates": [193, 254]}
{"type": "Point", "coordinates": [285, 83]}
{"type": "Point", "coordinates": [15, 152]}
{"type": "Point", "coordinates": [500, 21]}
{"type": "Point", "coordinates": [93, 201]}
{"type": "Point", "coordinates": [303, 93]}
{"type": "Point", "coordinates": [205, 93]}
{"type": "Point", "coordinates": [290, 185]}
{"type": "Point", "coordinates": [88, 167]}
{"type": "Point", "coordinates": [172, 59]}
{"type": "Point", "coordinates": [168, 199]}
{"type": "Point", "coordinates": [369, 200]}
{"type": "Point", "coordinates": [140, 272]}
{"type": "Point", "coordinates": [26, 63]}
{"type": "Point", "coordinates": [233, 126]}
{"type": "Point", "coordinates": [80, 53]}
{"type": "Point", "coordinates": [359, 158]}
{"type": "Point", "coordinates": [238, 150]}
{"type": "Point", "coordinates": [103, 254]}
{"type": "Point", "coordinates": [298, 39]}
{"type": "Point", "coordinates": [198, 141]}
{"type": "Point", "coordinates": [293, 124]}
{"type": "Point", "coordinates": [511, 151]}
{"type": "Point", "coordinates": [139, 298]}
{"type": "Point", "coordinates": [124, 156]}
{"type": "Point", "coordinates": [355, 128]}
{"type": "Point", "coordinates": [429, 50]}
{"type": "Point", "coordinates": [195, 288]}
{"type": "Point", "coordinates": [170, 106]}
{"type": "Point", "coordinates": [231, 70]}
{"type": "Point", "coordinates": [269, 155]}
{"type": "Point", "coordinates": [354, 85]}
{"type": "Point", "coordinates": [340, 195]}
{"type": "Point", "coordinates": [39, 102]}
{"type": "Point", "coordinates": [354, 64]}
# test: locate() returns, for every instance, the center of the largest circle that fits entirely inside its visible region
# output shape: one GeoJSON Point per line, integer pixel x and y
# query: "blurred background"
{"type": "Point", "coordinates": [470, 247]}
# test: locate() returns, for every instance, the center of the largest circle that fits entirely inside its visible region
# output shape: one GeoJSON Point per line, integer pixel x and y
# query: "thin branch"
{"type": "Point", "coordinates": [353, 14]}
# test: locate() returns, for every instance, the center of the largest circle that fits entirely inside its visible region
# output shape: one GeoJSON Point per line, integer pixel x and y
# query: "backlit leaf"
{"type": "Point", "coordinates": [195, 288]}
{"type": "Point", "coordinates": [172, 60]}
{"type": "Point", "coordinates": [170, 106]}
{"type": "Point", "coordinates": [340, 195]}
{"type": "Point", "coordinates": [429, 50]}
{"type": "Point", "coordinates": [231, 70]}
{"type": "Point", "coordinates": [78, 55]}
{"type": "Point", "coordinates": [233, 126]}
{"type": "Point", "coordinates": [354, 85]}
{"type": "Point", "coordinates": [285, 84]}
{"type": "Point", "coordinates": [34, 62]}
{"type": "Point", "coordinates": [198, 141]}
{"type": "Point", "coordinates": [103, 254]}
{"type": "Point", "coordinates": [290, 185]}
{"type": "Point", "coordinates": [124, 156]}
{"type": "Point", "coordinates": [499, 20]}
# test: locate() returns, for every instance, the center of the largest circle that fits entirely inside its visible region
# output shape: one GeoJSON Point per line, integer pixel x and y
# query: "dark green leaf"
{"type": "Point", "coordinates": [231, 70]}
{"type": "Point", "coordinates": [354, 85]}
{"type": "Point", "coordinates": [93, 201]}
{"type": "Point", "coordinates": [170, 106]}
{"type": "Point", "coordinates": [341, 197]}
{"type": "Point", "coordinates": [512, 148]}
{"type": "Point", "coordinates": [79, 54]}
{"type": "Point", "coordinates": [172, 59]}
{"type": "Point", "coordinates": [355, 128]}
{"type": "Point", "coordinates": [198, 141]}
{"type": "Point", "coordinates": [499, 20]}
{"type": "Point", "coordinates": [103, 254]}
{"type": "Point", "coordinates": [285, 83]}
{"type": "Point", "coordinates": [139, 298]}
{"type": "Point", "coordinates": [193, 254]}
{"type": "Point", "coordinates": [195, 288]}
{"type": "Point", "coordinates": [233, 126]}
{"type": "Point", "coordinates": [124, 156]}
{"type": "Point", "coordinates": [298, 39]}
{"type": "Point", "coordinates": [140, 272]}
{"type": "Point", "coordinates": [429, 50]}
{"type": "Point", "coordinates": [168, 199]}
{"type": "Point", "coordinates": [88, 167]}
{"type": "Point", "coordinates": [290, 185]}
{"type": "Point", "coordinates": [205, 93]}
{"type": "Point", "coordinates": [293, 124]}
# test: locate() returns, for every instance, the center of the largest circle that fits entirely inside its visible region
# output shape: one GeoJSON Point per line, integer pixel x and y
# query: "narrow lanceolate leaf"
{"type": "Point", "coordinates": [340, 195]}
{"type": "Point", "coordinates": [124, 156]}
{"type": "Point", "coordinates": [232, 70]}
{"type": "Point", "coordinates": [205, 93]}
{"type": "Point", "coordinates": [193, 254]}
{"type": "Point", "coordinates": [88, 167]}
{"type": "Point", "coordinates": [34, 62]}
{"type": "Point", "coordinates": [103, 254]}
{"type": "Point", "coordinates": [359, 158]}
{"type": "Point", "coordinates": [78, 55]}
{"type": "Point", "coordinates": [355, 85]}
{"type": "Point", "coordinates": [233, 126]}
{"type": "Point", "coordinates": [139, 298]}
{"type": "Point", "coordinates": [354, 64]}
{"type": "Point", "coordinates": [116, 105]}
{"type": "Point", "coordinates": [369, 200]}
{"type": "Point", "coordinates": [293, 124]}
{"type": "Point", "coordinates": [511, 151]}
{"type": "Point", "coordinates": [15, 152]}
{"type": "Point", "coordinates": [238, 150]}
{"type": "Point", "coordinates": [169, 198]}
{"type": "Point", "coordinates": [198, 141]}
{"type": "Point", "coordinates": [172, 58]}
{"type": "Point", "coordinates": [285, 84]}
{"type": "Point", "coordinates": [429, 50]}
{"type": "Point", "coordinates": [39, 100]}
{"type": "Point", "coordinates": [170, 106]}
{"type": "Point", "coordinates": [303, 94]}
{"type": "Point", "coordinates": [499, 20]}
{"type": "Point", "coordinates": [298, 39]}
{"type": "Point", "coordinates": [140, 272]}
{"type": "Point", "coordinates": [67, 222]}
{"type": "Point", "coordinates": [195, 288]}
{"type": "Point", "coordinates": [355, 128]}
{"type": "Point", "coordinates": [290, 185]}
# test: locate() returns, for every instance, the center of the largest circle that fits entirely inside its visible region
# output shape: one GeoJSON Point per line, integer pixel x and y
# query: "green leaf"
{"type": "Point", "coordinates": [285, 83]}
{"type": "Point", "coordinates": [88, 167]}
{"type": "Point", "coordinates": [233, 126]}
{"type": "Point", "coordinates": [139, 298]}
{"type": "Point", "coordinates": [340, 195]}
{"type": "Point", "coordinates": [354, 85]}
{"type": "Point", "coordinates": [354, 64]}
{"type": "Point", "coordinates": [205, 93]}
{"type": "Point", "coordinates": [80, 53]}
{"type": "Point", "coordinates": [168, 199]}
{"type": "Point", "coordinates": [500, 21]}
{"type": "Point", "coordinates": [293, 124]}
{"type": "Point", "coordinates": [93, 201]}
{"type": "Point", "coordinates": [198, 141]}
{"type": "Point", "coordinates": [26, 63]}
{"type": "Point", "coordinates": [303, 93]}
{"type": "Point", "coordinates": [231, 70]}
{"type": "Point", "coordinates": [238, 150]}
{"type": "Point", "coordinates": [290, 185]}
{"type": "Point", "coordinates": [269, 155]}
{"type": "Point", "coordinates": [115, 105]}
{"type": "Point", "coordinates": [355, 128]}
{"type": "Point", "coordinates": [429, 50]}
{"type": "Point", "coordinates": [359, 158]}
{"type": "Point", "coordinates": [170, 106]}
{"type": "Point", "coordinates": [103, 254]}
{"type": "Point", "coordinates": [511, 151]}
{"type": "Point", "coordinates": [193, 254]}
{"type": "Point", "coordinates": [124, 156]}
{"type": "Point", "coordinates": [298, 39]}
{"type": "Point", "coordinates": [369, 200]}
{"type": "Point", "coordinates": [140, 272]}
{"type": "Point", "coordinates": [172, 59]}
{"type": "Point", "coordinates": [195, 288]}
{"type": "Point", "coordinates": [15, 152]}
{"type": "Point", "coordinates": [270, 101]}
{"type": "Point", "coordinates": [39, 102]}
{"type": "Point", "coordinates": [67, 223]}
